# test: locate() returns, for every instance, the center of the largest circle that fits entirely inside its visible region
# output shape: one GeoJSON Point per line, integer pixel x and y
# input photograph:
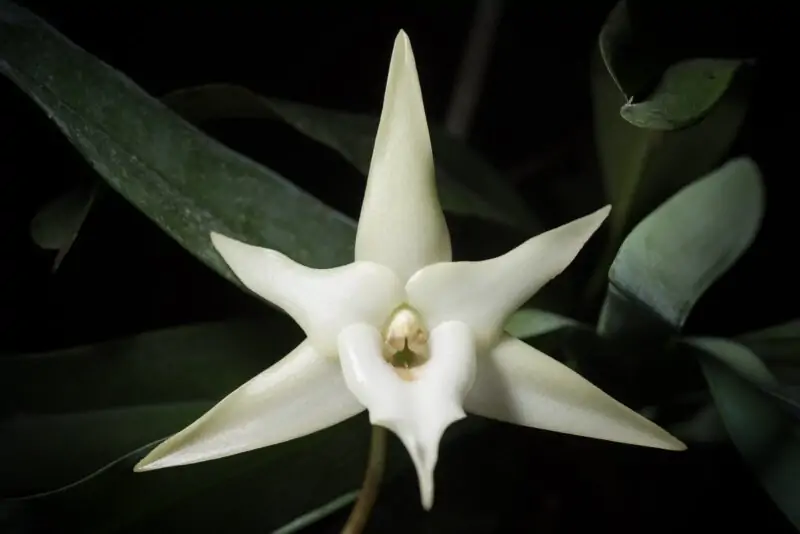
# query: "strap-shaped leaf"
{"type": "Point", "coordinates": [766, 436]}
{"type": "Point", "coordinates": [188, 183]}
{"type": "Point", "coordinates": [71, 412]}
{"type": "Point", "coordinates": [468, 185]}
{"type": "Point", "coordinates": [686, 93]}
{"type": "Point", "coordinates": [669, 260]}
{"type": "Point", "coordinates": [653, 138]}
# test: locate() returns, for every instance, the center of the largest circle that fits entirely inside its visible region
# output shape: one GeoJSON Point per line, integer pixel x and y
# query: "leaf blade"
{"type": "Point", "coordinates": [706, 236]}
{"type": "Point", "coordinates": [467, 184]}
{"type": "Point", "coordinates": [188, 183]}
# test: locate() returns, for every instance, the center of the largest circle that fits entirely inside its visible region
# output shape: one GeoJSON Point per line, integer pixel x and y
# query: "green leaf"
{"type": "Point", "coordinates": [56, 225]}
{"type": "Point", "coordinates": [73, 412]}
{"type": "Point", "coordinates": [779, 347]}
{"type": "Point", "coordinates": [765, 436]}
{"type": "Point", "coordinates": [686, 93]}
{"type": "Point", "coordinates": [186, 182]}
{"type": "Point", "coordinates": [268, 487]}
{"type": "Point", "coordinates": [80, 418]}
{"type": "Point", "coordinates": [309, 518]}
{"type": "Point", "coordinates": [705, 426]}
{"type": "Point", "coordinates": [669, 260]}
{"type": "Point", "coordinates": [626, 62]}
{"type": "Point", "coordinates": [530, 322]}
{"type": "Point", "coordinates": [641, 166]}
{"type": "Point", "coordinates": [467, 184]}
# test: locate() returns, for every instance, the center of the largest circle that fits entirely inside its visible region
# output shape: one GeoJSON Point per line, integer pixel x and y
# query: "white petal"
{"type": "Point", "coordinates": [420, 409]}
{"type": "Point", "coordinates": [322, 301]}
{"type": "Point", "coordinates": [518, 384]}
{"type": "Point", "coordinates": [302, 393]}
{"type": "Point", "coordinates": [484, 294]}
{"type": "Point", "coordinates": [401, 224]}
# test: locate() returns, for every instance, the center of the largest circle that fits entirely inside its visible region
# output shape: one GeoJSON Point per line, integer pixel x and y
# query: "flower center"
{"type": "Point", "coordinates": [405, 341]}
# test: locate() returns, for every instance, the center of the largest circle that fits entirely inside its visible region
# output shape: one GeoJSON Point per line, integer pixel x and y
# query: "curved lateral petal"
{"type": "Point", "coordinates": [483, 294]}
{"type": "Point", "coordinates": [518, 384]}
{"type": "Point", "coordinates": [401, 224]}
{"type": "Point", "coordinates": [301, 394]}
{"type": "Point", "coordinates": [420, 407]}
{"type": "Point", "coordinates": [322, 301]}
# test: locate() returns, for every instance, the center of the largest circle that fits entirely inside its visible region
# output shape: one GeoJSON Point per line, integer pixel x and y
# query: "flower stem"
{"type": "Point", "coordinates": [372, 481]}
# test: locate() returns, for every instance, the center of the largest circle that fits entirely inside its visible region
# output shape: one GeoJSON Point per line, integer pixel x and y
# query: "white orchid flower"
{"type": "Point", "coordinates": [403, 331]}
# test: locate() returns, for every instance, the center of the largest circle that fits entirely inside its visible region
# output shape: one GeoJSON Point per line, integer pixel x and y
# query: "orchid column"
{"type": "Point", "coordinates": [403, 331]}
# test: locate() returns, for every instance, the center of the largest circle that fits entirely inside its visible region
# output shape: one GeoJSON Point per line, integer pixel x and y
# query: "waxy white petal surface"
{"type": "Point", "coordinates": [322, 301]}
{"type": "Point", "coordinates": [301, 394]}
{"type": "Point", "coordinates": [484, 294]}
{"type": "Point", "coordinates": [518, 384]}
{"type": "Point", "coordinates": [420, 409]}
{"type": "Point", "coordinates": [403, 255]}
{"type": "Point", "coordinates": [402, 224]}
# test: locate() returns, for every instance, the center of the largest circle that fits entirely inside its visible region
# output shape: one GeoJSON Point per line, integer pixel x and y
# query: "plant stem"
{"type": "Point", "coordinates": [372, 481]}
{"type": "Point", "coordinates": [469, 80]}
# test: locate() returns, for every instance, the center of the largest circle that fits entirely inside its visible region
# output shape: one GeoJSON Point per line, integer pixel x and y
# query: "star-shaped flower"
{"type": "Point", "coordinates": [403, 331]}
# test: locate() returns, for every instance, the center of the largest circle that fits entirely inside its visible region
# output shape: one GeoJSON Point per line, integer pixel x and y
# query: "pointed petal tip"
{"type": "Point", "coordinates": [150, 462]}
{"type": "Point", "coordinates": [424, 452]}
{"type": "Point", "coordinates": [402, 39]}
{"type": "Point", "coordinates": [598, 217]}
{"type": "Point", "coordinates": [424, 456]}
{"type": "Point", "coordinates": [402, 52]}
{"type": "Point", "coordinates": [140, 467]}
{"type": "Point", "coordinates": [160, 457]}
{"type": "Point", "coordinates": [426, 494]}
{"type": "Point", "coordinates": [221, 242]}
{"type": "Point", "coordinates": [653, 437]}
{"type": "Point", "coordinates": [673, 444]}
{"type": "Point", "coordinates": [230, 249]}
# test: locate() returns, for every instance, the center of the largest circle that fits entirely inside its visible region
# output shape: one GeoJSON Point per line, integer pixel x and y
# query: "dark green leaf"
{"type": "Point", "coordinates": [686, 93]}
{"type": "Point", "coordinates": [779, 347]}
{"type": "Point", "coordinates": [705, 426]}
{"type": "Point", "coordinates": [95, 411]}
{"type": "Point", "coordinates": [468, 185]}
{"type": "Point", "coordinates": [188, 183]}
{"type": "Point", "coordinates": [267, 487]}
{"type": "Point", "coordinates": [309, 518]}
{"type": "Point", "coordinates": [56, 225]}
{"type": "Point", "coordinates": [74, 411]}
{"type": "Point", "coordinates": [627, 63]}
{"type": "Point", "coordinates": [642, 167]}
{"type": "Point", "coordinates": [767, 438]}
{"type": "Point", "coordinates": [530, 322]}
{"type": "Point", "coordinates": [669, 260]}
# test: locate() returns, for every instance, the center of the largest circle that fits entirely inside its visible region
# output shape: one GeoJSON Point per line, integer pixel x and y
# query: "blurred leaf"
{"type": "Point", "coordinates": [79, 420]}
{"type": "Point", "coordinates": [530, 322]}
{"type": "Point", "coordinates": [467, 184]}
{"type": "Point", "coordinates": [262, 490]}
{"type": "Point", "coordinates": [686, 93]}
{"type": "Point", "coordinates": [625, 61]}
{"type": "Point", "coordinates": [95, 410]}
{"type": "Point", "coordinates": [57, 223]}
{"type": "Point", "coordinates": [72, 412]}
{"type": "Point", "coordinates": [705, 426]}
{"type": "Point", "coordinates": [779, 341]}
{"type": "Point", "coordinates": [764, 435]}
{"type": "Point", "coordinates": [779, 347]}
{"type": "Point", "coordinates": [669, 260]}
{"type": "Point", "coordinates": [188, 183]}
{"type": "Point", "coordinates": [641, 167]}
{"type": "Point", "coordinates": [309, 518]}
{"type": "Point", "coordinates": [268, 487]}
